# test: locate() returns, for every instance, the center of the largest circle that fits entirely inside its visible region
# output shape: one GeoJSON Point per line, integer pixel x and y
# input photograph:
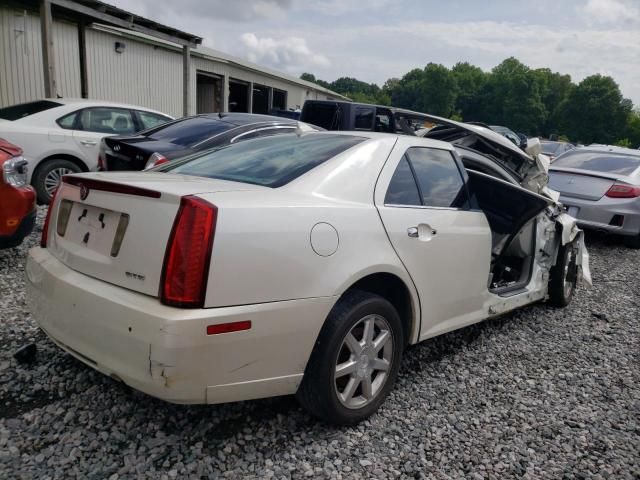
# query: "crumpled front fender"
{"type": "Point", "coordinates": [571, 232]}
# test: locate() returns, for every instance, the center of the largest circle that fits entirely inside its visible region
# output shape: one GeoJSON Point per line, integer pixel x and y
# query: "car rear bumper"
{"type": "Point", "coordinates": [615, 215]}
{"type": "Point", "coordinates": [165, 351]}
{"type": "Point", "coordinates": [24, 228]}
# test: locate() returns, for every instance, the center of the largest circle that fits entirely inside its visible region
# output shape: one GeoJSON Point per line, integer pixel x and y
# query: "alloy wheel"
{"type": "Point", "coordinates": [53, 178]}
{"type": "Point", "coordinates": [364, 362]}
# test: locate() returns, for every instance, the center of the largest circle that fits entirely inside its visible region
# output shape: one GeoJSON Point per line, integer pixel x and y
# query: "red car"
{"type": "Point", "coordinates": [17, 198]}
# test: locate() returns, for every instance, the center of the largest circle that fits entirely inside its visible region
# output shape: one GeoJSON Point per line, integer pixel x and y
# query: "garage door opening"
{"type": "Point", "coordinates": [260, 99]}
{"type": "Point", "coordinates": [208, 93]}
{"type": "Point", "coordinates": [238, 96]}
{"type": "Point", "coordinates": [279, 99]}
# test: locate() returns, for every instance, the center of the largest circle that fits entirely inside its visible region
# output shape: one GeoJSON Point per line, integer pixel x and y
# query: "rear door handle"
{"type": "Point", "coordinates": [88, 143]}
{"type": "Point", "coordinates": [423, 232]}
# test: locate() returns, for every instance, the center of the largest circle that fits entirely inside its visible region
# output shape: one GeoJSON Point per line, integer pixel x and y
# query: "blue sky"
{"type": "Point", "coordinates": [375, 40]}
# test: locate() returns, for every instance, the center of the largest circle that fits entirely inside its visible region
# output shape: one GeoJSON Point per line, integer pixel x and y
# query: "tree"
{"type": "Point", "coordinates": [470, 81]}
{"type": "Point", "coordinates": [595, 111]}
{"type": "Point", "coordinates": [513, 98]}
{"type": "Point", "coordinates": [431, 90]}
{"type": "Point", "coordinates": [310, 77]}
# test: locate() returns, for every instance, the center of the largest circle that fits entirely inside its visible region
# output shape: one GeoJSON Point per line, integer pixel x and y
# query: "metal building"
{"type": "Point", "coordinates": [94, 50]}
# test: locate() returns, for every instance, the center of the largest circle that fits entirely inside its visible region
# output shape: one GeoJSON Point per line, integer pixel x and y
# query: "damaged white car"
{"type": "Point", "coordinates": [301, 263]}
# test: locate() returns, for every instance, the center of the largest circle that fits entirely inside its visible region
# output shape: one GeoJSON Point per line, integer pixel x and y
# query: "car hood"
{"type": "Point", "coordinates": [531, 170]}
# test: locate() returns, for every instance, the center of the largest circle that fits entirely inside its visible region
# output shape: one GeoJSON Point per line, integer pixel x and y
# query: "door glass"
{"type": "Point", "coordinates": [68, 121]}
{"type": "Point", "coordinates": [114, 121]}
{"type": "Point", "coordinates": [439, 179]}
{"type": "Point", "coordinates": [402, 189]}
{"type": "Point", "coordinates": [150, 120]}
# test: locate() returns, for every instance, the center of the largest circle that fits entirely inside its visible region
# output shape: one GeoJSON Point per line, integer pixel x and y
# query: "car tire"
{"type": "Point", "coordinates": [47, 172]}
{"type": "Point", "coordinates": [563, 276]}
{"type": "Point", "coordinates": [372, 361]}
{"type": "Point", "coordinates": [632, 242]}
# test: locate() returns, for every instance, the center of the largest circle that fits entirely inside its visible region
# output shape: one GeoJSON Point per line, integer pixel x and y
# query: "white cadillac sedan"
{"type": "Point", "coordinates": [302, 263]}
{"type": "Point", "coordinates": [61, 136]}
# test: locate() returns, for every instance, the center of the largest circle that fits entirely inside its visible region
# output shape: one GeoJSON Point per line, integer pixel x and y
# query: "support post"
{"type": "Point", "coordinates": [250, 99]}
{"type": "Point", "coordinates": [186, 80]}
{"type": "Point", "coordinates": [82, 45]}
{"type": "Point", "coordinates": [48, 59]}
{"type": "Point", "coordinates": [225, 94]}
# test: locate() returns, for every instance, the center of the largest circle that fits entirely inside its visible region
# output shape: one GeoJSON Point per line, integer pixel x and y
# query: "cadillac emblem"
{"type": "Point", "coordinates": [84, 191]}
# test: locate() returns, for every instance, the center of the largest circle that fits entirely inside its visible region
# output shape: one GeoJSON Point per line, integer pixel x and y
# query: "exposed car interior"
{"type": "Point", "coordinates": [511, 212]}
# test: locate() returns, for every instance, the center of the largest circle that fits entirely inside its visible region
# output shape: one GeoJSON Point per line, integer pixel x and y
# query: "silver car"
{"type": "Point", "coordinates": [600, 186]}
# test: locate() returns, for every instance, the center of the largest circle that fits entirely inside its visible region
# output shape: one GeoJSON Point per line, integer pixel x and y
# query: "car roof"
{"type": "Point", "coordinates": [87, 102]}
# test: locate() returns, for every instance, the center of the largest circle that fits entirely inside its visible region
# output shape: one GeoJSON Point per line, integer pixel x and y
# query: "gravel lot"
{"type": "Point", "coordinates": [541, 393]}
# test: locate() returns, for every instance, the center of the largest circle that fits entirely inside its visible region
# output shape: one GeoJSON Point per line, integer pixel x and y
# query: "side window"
{"type": "Point", "coordinates": [150, 120]}
{"type": "Point", "coordinates": [364, 119]}
{"type": "Point", "coordinates": [383, 121]}
{"type": "Point", "coordinates": [439, 179]}
{"type": "Point", "coordinates": [402, 188]}
{"type": "Point", "coordinates": [114, 121]}
{"type": "Point", "coordinates": [68, 121]}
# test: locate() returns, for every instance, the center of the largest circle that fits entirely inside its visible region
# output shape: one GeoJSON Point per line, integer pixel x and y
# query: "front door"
{"type": "Point", "coordinates": [445, 246]}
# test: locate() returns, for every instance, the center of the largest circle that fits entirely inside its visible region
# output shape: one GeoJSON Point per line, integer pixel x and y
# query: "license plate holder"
{"type": "Point", "coordinates": [92, 227]}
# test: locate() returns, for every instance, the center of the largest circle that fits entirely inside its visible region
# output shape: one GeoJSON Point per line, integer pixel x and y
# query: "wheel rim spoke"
{"type": "Point", "coordinates": [369, 327]}
{"type": "Point", "coordinates": [381, 340]}
{"type": "Point", "coordinates": [346, 368]}
{"type": "Point", "coordinates": [350, 389]}
{"type": "Point", "coordinates": [52, 180]}
{"type": "Point", "coordinates": [353, 344]}
{"type": "Point", "coordinates": [367, 388]}
{"type": "Point", "coordinates": [380, 364]}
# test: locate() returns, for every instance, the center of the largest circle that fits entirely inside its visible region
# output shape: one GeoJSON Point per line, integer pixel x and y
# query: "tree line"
{"type": "Point", "coordinates": [537, 102]}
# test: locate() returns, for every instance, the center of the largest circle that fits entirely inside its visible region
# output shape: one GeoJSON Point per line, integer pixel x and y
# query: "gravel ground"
{"type": "Point", "coordinates": [541, 393]}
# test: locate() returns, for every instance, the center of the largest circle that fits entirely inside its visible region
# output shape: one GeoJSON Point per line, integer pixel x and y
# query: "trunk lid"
{"type": "Point", "coordinates": [132, 153]}
{"type": "Point", "coordinates": [580, 184]}
{"type": "Point", "coordinates": [115, 226]}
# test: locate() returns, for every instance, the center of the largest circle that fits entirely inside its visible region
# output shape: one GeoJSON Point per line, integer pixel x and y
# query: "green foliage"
{"type": "Point", "coordinates": [625, 142]}
{"type": "Point", "coordinates": [534, 101]}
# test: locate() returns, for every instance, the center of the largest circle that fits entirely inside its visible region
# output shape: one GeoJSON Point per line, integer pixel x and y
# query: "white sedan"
{"type": "Point", "coordinates": [300, 263]}
{"type": "Point", "coordinates": [62, 136]}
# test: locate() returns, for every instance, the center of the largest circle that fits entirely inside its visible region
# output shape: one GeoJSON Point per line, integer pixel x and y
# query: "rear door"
{"type": "Point", "coordinates": [445, 246]}
{"type": "Point", "coordinates": [92, 124]}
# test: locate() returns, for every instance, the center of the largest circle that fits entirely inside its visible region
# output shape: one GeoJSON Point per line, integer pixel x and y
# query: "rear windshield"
{"type": "Point", "coordinates": [16, 112]}
{"type": "Point", "coordinates": [190, 131]}
{"type": "Point", "coordinates": [268, 161]}
{"type": "Point", "coordinates": [325, 115]}
{"type": "Point", "coordinates": [599, 162]}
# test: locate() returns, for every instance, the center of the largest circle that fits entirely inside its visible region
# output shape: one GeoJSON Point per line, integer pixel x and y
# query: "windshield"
{"type": "Point", "coordinates": [190, 131]}
{"type": "Point", "coordinates": [550, 147]}
{"type": "Point", "coordinates": [269, 161]}
{"type": "Point", "coordinates": [599, 162]}
{"type": "Point", "coordinates": [16, 112]}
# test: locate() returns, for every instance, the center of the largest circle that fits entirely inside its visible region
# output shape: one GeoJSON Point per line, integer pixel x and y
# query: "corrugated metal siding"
{"type": "Point", "coordinates": [21, 77]}
{"type": "Point", "coordinates": [143, 74]}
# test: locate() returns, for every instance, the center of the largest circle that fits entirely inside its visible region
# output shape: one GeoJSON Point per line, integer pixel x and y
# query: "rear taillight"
{"type": "Point", "coordinates": [619, 190]}
{"type": "Point", "coordinates": [45, 227]}
{"type": "Point", "coordinates": [186, 261]}
{"type": "Point", "coordinates": [154, 160]}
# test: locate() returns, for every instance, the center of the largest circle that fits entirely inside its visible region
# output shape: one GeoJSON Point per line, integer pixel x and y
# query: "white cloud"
{"type": "Point", "coordinates": [611, 11]}
{"type": "Point", "coordinates": [341, 7]}
{"type": "Point", "coordinates": [291, 54]}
